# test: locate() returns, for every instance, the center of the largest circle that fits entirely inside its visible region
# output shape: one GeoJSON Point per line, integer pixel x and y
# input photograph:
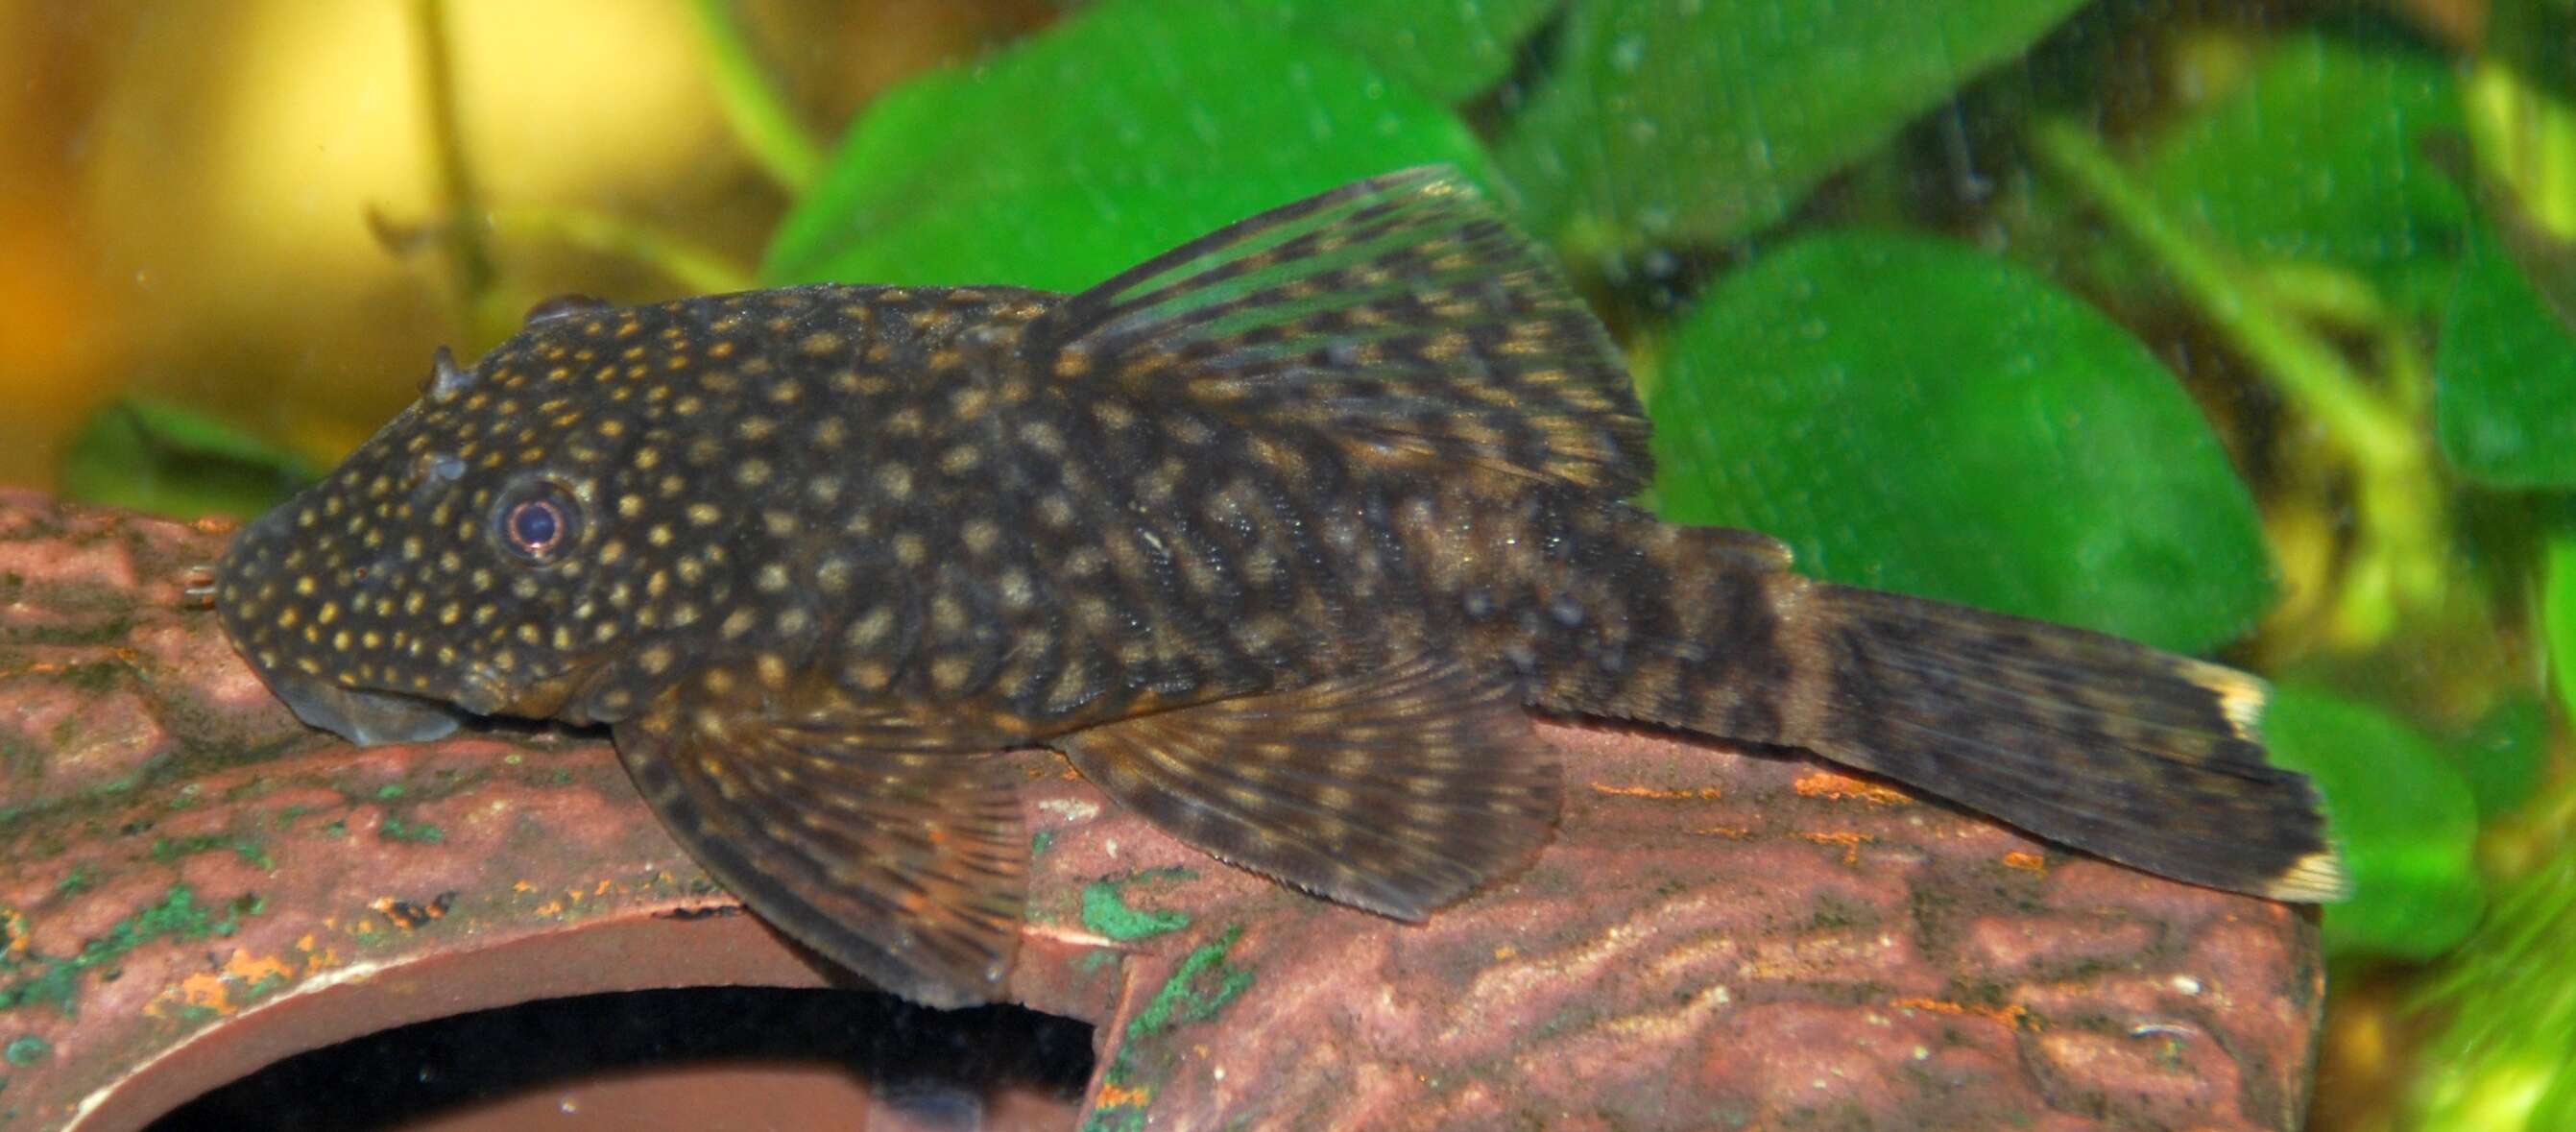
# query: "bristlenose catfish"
{"type": "Point", "coordinates": [1276, 536]}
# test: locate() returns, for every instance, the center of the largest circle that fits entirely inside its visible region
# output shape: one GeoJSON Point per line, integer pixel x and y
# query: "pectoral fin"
{"type": "Point", "coordinates": [1398, 790]}
{"type": "Point", "coordinates": [906, 866]}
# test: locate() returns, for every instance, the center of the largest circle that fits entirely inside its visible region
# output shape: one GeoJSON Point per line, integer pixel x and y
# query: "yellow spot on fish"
{"type": "Point", "coordinates": [895, 480]}
{"type": "Point", "coordinates": [868, 629]}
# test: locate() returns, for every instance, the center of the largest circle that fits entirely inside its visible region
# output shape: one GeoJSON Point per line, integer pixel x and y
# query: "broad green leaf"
{"type": "Point", "coordinates": [2558, 618]}
{"type": "Point", "coordinates": [2503, 754]}
{"type": "Point", "coordinates": [2402, 815]}
{"type": "Point", "coordinates": [1451, 50]}
{"type": "Point", "coordinates": [1696, 121]}
{"type": "Point", "coordinates": [1913, 416]}
{"type": "Point", "coordinates": [1074, 155]}
{"type": "Point", "coordinates": [2505, 400]}
{"type": "Point", "coordinates": [163, 459]}
{"type": "Point", "coordinates": [2319, 158]}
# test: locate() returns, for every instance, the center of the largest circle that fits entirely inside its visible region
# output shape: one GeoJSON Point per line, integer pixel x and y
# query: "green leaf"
{"type": "Point", "coordinates": [1913, 416]}
{"type": "Point", "coordinates": [2558, 618]}
{"type": "Point", "coordinates": [1696, 121]}
{"type": "Point", "coordinates": [1451, 50]}
{"type": "Point", "coordinates": [2531, 36]}
{"type": "Point", "coordinates": [1118, 134]}
{"type": "Point", "coordinates": [2318, 158]}
{"type": "Point", "coordinates": [2505, 372]}
{"type": "Point", "coordinates": [156, 457]}
{"type": "Point", "coordinates": [2402, 814]}
{"type": "Point", "coordinates": [2503, 754]}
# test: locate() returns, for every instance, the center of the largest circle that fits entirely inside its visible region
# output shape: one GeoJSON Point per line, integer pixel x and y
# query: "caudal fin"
{"type": "Point", "coordinates": [2149, 759]}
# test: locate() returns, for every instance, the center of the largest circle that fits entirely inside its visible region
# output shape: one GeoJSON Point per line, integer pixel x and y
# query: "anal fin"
{"type": "Point", "coordinates": [905, 865]}
{"type": "Point", "coordinates": [1397, 790]}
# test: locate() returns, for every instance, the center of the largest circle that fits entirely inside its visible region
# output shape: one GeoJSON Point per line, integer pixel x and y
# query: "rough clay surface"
{"type": "Point", "coordinates": [192, 884]}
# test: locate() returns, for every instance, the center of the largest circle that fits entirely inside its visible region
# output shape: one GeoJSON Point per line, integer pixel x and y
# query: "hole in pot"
{"type": "Point", "coordinates": [703, 1057]}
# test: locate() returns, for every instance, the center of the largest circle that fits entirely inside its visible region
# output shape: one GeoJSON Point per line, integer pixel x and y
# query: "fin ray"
{"type": "Point", "coordinates": [904, 865]}
{"type": "Point", "coordinates": [1396, 791]}
{"type": "Point", "coordinates": [2153, 760]}
{"type": "Point", "coordinates": [1398, 313]}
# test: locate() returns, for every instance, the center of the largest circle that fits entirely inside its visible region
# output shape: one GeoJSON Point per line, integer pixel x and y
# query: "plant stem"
{"type": "Point", "coordinates": [2499, 1058]}
{"type": "Point", "coordinates": [2307, 370]}
{"type": "Point", "coordinates": [693, 266]}
{"type": "Point", "coordinates": [470, 270]}
{"type": "Point", "coordinates": [2397, 563]}
{"type": "Point", "coordinates": [752, 102]}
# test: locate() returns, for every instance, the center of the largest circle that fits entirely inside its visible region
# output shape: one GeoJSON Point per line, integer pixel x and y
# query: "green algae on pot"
{"type": "Point", "coordinates": [33, 979]}
{"type": "Point", "coordinates": [1105, 909]}
{"type": "Point", "coordinates": [1199, 986]}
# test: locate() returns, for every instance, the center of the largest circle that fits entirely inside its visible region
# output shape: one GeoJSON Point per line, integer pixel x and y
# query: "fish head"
{"type": "Point", "coordinates": [462, 562]}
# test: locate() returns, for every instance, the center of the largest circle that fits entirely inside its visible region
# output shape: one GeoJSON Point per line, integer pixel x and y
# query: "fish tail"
{"type": "Point", "coordinates": [2147, 758]}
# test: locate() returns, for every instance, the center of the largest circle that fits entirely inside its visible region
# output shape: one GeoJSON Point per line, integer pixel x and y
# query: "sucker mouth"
{"type": "Point", "coordinates": [483, 692]}
{"type": "Point", "coordinates": [363, 717]}
{"type": "Point", "coordinates": [368, 716]}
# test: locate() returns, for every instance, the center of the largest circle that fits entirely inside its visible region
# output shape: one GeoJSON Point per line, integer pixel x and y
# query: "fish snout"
{"type": "Point", "coordinates": [264, 614]}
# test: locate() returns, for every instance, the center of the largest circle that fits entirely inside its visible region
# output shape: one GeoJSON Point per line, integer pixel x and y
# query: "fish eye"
{"type": "Point", "coordinates": [538, 522]}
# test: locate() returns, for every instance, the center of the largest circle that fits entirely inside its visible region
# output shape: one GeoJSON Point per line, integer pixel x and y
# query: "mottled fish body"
{"type": "Point", "coordinates": [1276, 536]}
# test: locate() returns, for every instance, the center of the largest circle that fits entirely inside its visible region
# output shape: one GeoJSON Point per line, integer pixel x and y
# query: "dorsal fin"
{"type": "Point", "coordinates": [1398, 314]}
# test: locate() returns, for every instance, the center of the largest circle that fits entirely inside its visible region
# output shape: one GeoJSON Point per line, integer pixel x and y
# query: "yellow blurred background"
{"type": "Point", "coordinates": [239, 207]}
